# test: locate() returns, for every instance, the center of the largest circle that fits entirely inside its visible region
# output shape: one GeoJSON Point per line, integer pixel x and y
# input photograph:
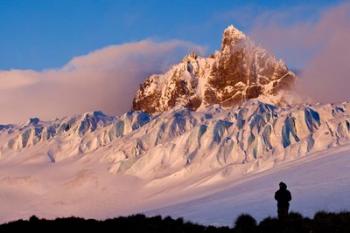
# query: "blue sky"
{"type": "Point", "coordinates": [41, 34]}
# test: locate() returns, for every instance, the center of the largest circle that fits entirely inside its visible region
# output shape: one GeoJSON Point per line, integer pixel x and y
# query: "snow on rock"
{"type": "Point", "coordinates": [239, 71]}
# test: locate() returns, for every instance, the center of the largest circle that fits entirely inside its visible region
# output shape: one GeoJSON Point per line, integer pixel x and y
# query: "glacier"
{"type": "Point", "coordinates": [252, 134]}
{"type": "Point", "coordinates": [95, 165]}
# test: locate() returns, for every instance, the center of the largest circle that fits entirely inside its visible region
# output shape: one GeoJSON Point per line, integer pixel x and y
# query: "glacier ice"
{"type": "Point", "coordinates": [211, 138]}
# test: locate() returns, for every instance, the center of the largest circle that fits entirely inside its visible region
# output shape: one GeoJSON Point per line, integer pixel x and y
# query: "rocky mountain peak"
{"type": "Point", "coordinates": [239, 71]}
{"type": "Point", "coordinates": [231, 37]}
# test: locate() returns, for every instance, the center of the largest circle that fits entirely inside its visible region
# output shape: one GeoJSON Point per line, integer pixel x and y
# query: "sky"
{"type": "Point", "coordinates": [41, 34]}
{"type": "Point", "coordinates": [62, 57]}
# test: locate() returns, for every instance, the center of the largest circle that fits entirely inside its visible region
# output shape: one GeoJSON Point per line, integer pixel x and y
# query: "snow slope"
{"type": "Point", "coordinates": [93, 165]}
{"type": "Point", "coordinates": [320, 182]}
{"type": "Point", "coordinates": [81, 187]}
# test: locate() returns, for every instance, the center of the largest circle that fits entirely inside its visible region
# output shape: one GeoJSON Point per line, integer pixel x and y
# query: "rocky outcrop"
{"type": "Point", "coordinates": [240, 70]}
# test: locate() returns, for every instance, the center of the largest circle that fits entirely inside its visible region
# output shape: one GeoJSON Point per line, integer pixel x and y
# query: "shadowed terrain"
{"type": "Point", "coordinates": [322, 222]}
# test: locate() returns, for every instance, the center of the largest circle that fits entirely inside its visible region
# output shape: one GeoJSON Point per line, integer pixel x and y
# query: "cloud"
{"type": "Point", "coordinates": [320, 47]}
{"type": "Point", "coordinates": [105, 79]}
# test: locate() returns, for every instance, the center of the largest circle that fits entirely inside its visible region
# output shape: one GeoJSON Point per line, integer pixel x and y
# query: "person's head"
{"type": "Point", "coordinates": [283, 186]}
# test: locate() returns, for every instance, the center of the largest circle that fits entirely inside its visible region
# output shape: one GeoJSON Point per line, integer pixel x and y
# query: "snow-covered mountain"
{"type": "Point", "coordinates": [180, 140]}
{"type": "Point", "coordinates": [97, 166]}
{"type": "Point", "coordinates": [204, 123]}
{"type": "Point", "coordinates": [240, 70]}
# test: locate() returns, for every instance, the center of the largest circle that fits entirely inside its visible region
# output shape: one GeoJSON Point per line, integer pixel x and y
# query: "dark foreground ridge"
{"type": "Point", "coordinates": [322, 222]}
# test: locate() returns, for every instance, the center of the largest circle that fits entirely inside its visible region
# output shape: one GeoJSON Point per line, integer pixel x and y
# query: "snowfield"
{"type": "Point", "coordinates": [207, 166]}
{"type": "Point", "coordinates": [320, 182]}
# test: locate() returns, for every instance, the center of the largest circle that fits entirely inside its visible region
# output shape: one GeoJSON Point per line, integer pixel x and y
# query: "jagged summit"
{"type": "Point", "coordinates": [233, 31]}
{"type": "Point", "coordinates": [240, 70]}
{"type": "Point", "coordinates": [232, 35]}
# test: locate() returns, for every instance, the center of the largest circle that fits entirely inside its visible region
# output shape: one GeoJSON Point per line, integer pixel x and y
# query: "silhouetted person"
{"type": "Point", "coordinates": [283, 197]}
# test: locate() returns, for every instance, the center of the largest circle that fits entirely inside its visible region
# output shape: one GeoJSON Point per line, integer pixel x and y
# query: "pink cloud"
{"type": "Point", "coordinates": [105, 79]}
{"type": "Point", "coordinates": [320, 46]}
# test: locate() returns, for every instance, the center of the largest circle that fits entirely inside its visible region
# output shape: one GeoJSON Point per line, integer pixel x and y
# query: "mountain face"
{"type": "Point", "coordinates": [239, 71]}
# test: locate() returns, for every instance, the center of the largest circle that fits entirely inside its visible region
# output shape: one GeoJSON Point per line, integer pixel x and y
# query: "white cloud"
{"type": "Point", "coordinates": [105, 79]}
